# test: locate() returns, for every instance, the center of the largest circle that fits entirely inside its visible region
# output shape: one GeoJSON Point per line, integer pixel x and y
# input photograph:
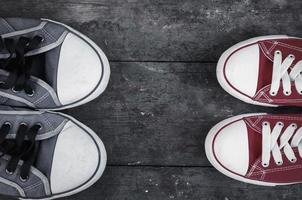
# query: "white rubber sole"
{"type": "Point", "coordinates": [220, 66]}
{"type": "Point", "coordinates": [213, 161]}
{"type": "Point", "coordinates": [106, 70]}
{"type": "Point", "coordinates": [98, 174]}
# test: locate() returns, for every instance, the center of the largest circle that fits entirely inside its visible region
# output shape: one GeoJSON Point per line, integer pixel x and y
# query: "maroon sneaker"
{"type": "Point", "coordinates": [264, 71]}
{"type": "Point", "coordinates": [260, 149]}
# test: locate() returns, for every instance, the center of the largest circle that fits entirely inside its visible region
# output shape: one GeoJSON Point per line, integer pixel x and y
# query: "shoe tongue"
{"type": "Point", "coordinates": [255, 144]}
{"type": "Point", "coordinates": [45, 155]}
{"type": "Point", "coordinates": [265, 67]}
{"type": "Point", "coordinates": [267, 49]}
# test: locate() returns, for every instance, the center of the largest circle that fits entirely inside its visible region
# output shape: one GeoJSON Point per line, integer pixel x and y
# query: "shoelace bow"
{"type": "Point", "coordinates": [24, 147]}
{"type": "Point", "coordinates": [20, 66]}
{"type": "Point", "coordinates": [280, 72]}
{"type": "Point", "coordinates": [273, 143]}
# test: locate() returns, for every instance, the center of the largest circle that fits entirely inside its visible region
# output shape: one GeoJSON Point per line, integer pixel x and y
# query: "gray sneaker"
{"type": "Point", "coordinates": [48, 65]}
{"type": "Point", "coordinates": [47, 155]}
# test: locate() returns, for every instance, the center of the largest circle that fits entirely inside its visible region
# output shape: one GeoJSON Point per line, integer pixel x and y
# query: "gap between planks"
{"type": "Point", "coordinates": [162, 61]}
{"type": "Point", "coordinates": [160, 166]}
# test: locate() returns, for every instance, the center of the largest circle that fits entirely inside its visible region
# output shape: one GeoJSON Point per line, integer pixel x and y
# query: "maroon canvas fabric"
{"type": "Point", "coordinates": [267, 49]}
{"type": "Point", "coordinates": [288, 172]}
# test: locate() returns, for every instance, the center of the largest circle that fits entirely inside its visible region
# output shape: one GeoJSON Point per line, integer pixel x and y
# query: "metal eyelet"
{"type": "Point", "coordinates": [279, 163]}
{"type": "Point", "coordinates": [264, 165]}
{"type": "Point", "coordinates": [22, 179]}
{"type": "Point", "coordinates": [14, 90]}
{"type": "Point", "coordinates": [280, 124]}
{"type": "Point", "coordinates": [32, 94]}
{"type": "Point", "coordinates": [291, 56]}
{"type": "Point", "coordinates": [273, 93]}
{"type": "Point", "coordinates": [265, 123]}
{"type": "Point", "coordinates": [3, 85]}
{"type": "Point", "coordinates": [278, 52]}
{"type": "Point", "coordinates": [42, 38]}
{"type": "Point", "coordinates": [41, 126]}
{"type": "Point", "coordinates": [294, 125]}
{"type": "Point", "coordinates": [8, 123]}
{"type": "Point", "coordinates": [23, 123]}
{"type": "Point", "coordinates": [8, 172]}
{"type": "Point", "coordinates": [293, 160]}
{"type": "Point", "coordinates": [287, 93]}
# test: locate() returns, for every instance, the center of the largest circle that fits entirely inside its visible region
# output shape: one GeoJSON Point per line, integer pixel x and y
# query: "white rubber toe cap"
{"type": "Point", "coordinates": [231, 147]}
{"type": "Point", "coordinates": [242, 68]}
{"type": "Point", "coordinates": [79, 70]}
{"type": "Point", "coordinates": [76, 159]}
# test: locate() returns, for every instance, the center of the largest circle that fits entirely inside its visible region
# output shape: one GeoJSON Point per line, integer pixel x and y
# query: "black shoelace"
{"type": "Point", "coordinates": [19, 67]}
{"type": "Point", "coordinates": [24, 147]}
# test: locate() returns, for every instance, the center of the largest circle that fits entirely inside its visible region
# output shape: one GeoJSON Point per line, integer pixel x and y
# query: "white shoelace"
{"type": "Point", "coordinates": [270, 143]}
{"type": "Point", "coordinates": [280, 72]}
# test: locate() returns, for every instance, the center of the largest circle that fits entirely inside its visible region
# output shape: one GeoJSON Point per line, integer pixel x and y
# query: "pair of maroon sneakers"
{"type": "Point", "coordinates": [260, 148]}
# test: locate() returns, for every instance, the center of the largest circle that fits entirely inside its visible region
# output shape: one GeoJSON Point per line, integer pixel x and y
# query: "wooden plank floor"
{"type": "Point", "coordinates": [163, 96]}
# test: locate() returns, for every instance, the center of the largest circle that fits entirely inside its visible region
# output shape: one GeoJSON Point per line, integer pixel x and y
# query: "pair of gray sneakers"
{"type": "Point", "coordinates": [46, 66]}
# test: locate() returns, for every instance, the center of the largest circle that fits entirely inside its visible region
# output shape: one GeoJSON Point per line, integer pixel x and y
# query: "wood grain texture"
{"type": "Point", "coordinates": [136, 183]}
{"type": "Point", "coordinates": [166, 30]}
{"type": "Point", "coordinates": [175, 183]}
{"type": "Point", "coordinates": [154, 116]}
{"type": "Point", "coordinates": [160, 113]}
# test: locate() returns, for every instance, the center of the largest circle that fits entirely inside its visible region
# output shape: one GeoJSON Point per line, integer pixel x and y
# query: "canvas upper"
{"type": "Point", "coordinates": [48, 65]}
{"type": "Point", "coordinates": [240, 148]}
{"type": "Point", "coordinates": [246, 71]}
{"type": "Point", "coordinates": [64, 156]}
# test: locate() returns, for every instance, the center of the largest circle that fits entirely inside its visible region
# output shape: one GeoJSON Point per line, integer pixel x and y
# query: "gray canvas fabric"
{"type": "Point", "coordinates": [44, 97]}
{"type": "Point", "coordinates": [51, 123]}
{"type": "Point", "coordinates": [38, 71]}
{"type": "Point", "coordinates": [47, 148]}
{"type": "Point", "coordinates": [37, 186]}
{"type": "Point", "coordinates": [44, 54]}
{"type": "Point", "coordinates": [44, 81]}
{"type": "Point", "coordinates": [33, 187]}
{"type": "Point", "coordinates": [16, 24]}
{"type": "Point", "coordinates": [8, 190]}
{"type": "Point", "coordinates": [51, 63]}
{"type": "Point", "coordinates": [52, 34]}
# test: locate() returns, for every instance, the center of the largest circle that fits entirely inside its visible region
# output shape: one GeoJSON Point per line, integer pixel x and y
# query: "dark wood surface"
{"type": "Point", "coordinates": [166, 30]}
{"type": "Point", "coordinates": [163, 96]}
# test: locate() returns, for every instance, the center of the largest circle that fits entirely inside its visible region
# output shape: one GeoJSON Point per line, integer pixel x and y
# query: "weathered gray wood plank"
{"type": "Point", "coordinates": [136, 183]}
{"type": "Point", "coordinates": [160, 113]}
{"type": "Point", "coordinates": [170, 30]}
{"type": "Point", "coordinates": [170, 183]}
